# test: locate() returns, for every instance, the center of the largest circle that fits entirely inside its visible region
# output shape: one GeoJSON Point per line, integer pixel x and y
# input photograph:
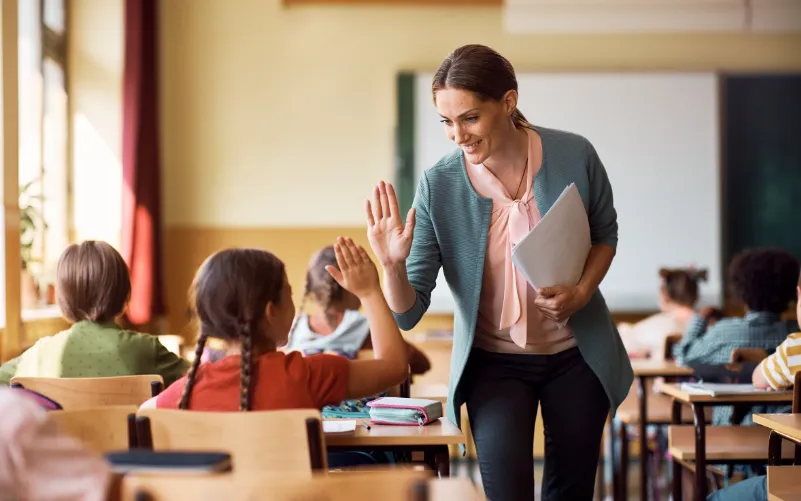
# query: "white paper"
{"type": "Point", "coordinates": [717, 389]}
{"type": "Point", "coordinates": [338, 425]}
{"type": "Point", "coordinates": [555, 250]}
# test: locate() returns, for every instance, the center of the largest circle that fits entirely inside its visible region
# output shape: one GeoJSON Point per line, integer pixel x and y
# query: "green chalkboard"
{"type": "Point", "coordinates": [761, 162]}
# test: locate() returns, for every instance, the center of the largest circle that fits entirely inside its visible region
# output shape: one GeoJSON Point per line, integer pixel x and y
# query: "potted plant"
{"type": "Point", "coordinates": [30, 222]}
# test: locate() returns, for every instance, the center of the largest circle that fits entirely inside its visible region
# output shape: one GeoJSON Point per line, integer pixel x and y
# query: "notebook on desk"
{"type": "Point", "coordinates": [721, 389]}
{"type": "Point", "coordinates": [142, 460]}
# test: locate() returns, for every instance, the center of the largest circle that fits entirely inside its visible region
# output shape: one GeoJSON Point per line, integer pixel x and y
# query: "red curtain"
{"type": "Point", "coordinates": [141, 224]}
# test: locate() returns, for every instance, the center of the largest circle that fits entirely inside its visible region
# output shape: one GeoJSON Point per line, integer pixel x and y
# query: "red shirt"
{"type": "Point", "coordinates": [279, 381]}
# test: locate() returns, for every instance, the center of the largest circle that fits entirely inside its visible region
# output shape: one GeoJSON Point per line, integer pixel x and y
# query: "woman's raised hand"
{"type": "Point", "coordinates": [390, 239]}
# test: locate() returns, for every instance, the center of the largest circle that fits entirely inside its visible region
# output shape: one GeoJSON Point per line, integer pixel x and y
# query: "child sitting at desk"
{"type": "Point", "coordinates": [92, 289]}
{"type": "Point", "coordinates": [776, 372]}
{"type": "Point", "coordinates": [678, 295]}
{"type": "Point", "coordinates": [337, 326]}
{"type": "Point", "coordinates": [243, 296]}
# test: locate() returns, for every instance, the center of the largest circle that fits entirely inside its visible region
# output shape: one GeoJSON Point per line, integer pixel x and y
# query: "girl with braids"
{"type": "Point", "coordinates": [242, 296]}
{"type": "Point", "coordinates": [336, 326]}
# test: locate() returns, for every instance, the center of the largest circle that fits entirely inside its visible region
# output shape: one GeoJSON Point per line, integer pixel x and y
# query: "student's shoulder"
{"type": "Point", "coordinates": [301, 366]}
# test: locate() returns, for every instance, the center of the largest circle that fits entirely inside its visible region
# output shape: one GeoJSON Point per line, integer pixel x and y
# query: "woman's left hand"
{"type": "Point", "coordinates": [560, 302]}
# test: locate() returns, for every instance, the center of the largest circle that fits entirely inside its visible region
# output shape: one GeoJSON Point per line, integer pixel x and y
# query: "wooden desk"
{"type": "Point", "coordinates": [781, 426]}
{"type": "Point", "coordinates": [432, 439]}
{"type": "Point", "coordinates": [783, 483]}
{"type": "Point", "coordinates": [451, 489]}
{"type": "Point", "coordinates": [643, 371]}
{"type": "Point", "coordinates": [698, 402]}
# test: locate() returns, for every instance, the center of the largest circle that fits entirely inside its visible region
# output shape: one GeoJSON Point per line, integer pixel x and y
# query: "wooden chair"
{"type": "Point", "coordinates": [670, 341]}
{"type": "Point", "coordinates": [745, 355]}
{"type": "Point", "coordinates": [286, 441]}
{"type": "Point", "coordinates": [101, 429]}
{"type": "Point", "coordinates": [82, 393]}
{"type": "Point", "coordinates": [387, 485]}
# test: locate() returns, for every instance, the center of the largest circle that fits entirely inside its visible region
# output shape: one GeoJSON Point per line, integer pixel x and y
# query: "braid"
{"type": "Point", "coordinates": [245, 367]}
{"type": "Point", "coordinates": [183, 404]}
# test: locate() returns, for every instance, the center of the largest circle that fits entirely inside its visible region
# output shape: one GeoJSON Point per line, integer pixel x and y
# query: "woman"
{"type": "Point", "coordinates": [509, 354]}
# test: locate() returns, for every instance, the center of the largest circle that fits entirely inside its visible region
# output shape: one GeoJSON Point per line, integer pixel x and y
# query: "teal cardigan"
{"type": "Point", "coordinates": [452, 222]}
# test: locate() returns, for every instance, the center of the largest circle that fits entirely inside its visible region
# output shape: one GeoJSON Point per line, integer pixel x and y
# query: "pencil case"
{"type": "Point", "coordinates": [404, 411]}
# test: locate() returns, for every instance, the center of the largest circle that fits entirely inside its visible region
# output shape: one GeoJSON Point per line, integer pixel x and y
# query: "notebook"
{"type": "Point", "coordinates": [143, 460]}
{"type": "Point", "coordinates": [720, 389]}
{"type": "Point", "coordinates": [339, 425]}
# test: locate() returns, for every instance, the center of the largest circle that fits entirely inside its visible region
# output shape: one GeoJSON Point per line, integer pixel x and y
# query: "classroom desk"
{"type": "Point", "coordinates": [451, 489]}
{"type": "Point", "coordinates": [698, 402]}
{"type": "Point", "coordinates": [783, 483]}
{"type": "Point", "coordinates": [432, 439]}
{"type": "Point", "coordinates": [781, 426]}
{"type": "Point", "coordinates": [643, 371]}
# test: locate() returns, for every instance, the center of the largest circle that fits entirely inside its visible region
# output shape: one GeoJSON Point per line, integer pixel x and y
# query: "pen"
{"type": "Point", "coordinates": [365, 425]}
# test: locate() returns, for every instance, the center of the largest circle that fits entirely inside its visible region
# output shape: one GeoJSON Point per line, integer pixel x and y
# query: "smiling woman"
{"type": "Point", "coordinates": [510, 352]}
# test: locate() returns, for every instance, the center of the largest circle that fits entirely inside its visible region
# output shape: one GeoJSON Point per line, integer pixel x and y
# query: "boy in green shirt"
{"type": "Point", "coordinates": [93, 287]}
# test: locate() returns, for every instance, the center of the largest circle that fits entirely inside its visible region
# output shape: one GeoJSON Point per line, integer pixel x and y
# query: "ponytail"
{"type": "Point", "coordinates": [519, 119]}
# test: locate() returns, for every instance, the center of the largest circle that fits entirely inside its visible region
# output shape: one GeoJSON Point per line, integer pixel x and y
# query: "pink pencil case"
{"type": "Point", "coordinates": [404, 411]}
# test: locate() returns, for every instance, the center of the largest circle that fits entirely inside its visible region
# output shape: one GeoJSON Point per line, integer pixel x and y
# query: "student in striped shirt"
{"type": "Point", "coordinates": [776, 372]}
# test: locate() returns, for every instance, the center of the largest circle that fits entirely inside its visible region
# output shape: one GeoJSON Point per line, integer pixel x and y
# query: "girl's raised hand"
{"type": "Point", "coordinates": [357, 272]}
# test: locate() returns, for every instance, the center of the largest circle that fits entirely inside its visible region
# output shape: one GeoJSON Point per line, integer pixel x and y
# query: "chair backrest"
{"type": "Point", "coordinates": [797, 394]}
{"type": "Point", "coordinates": [740, 355]}
{"type": "Point", "coordinates": [101, 429]}
{"type": "Point", "coordinates": [670, 341]}
{"type": "Point", "coordinates": [387, 485]}
{"type": "Point", "coordinates": [275, 441]}
{"type": "Point", "coordinates": [82, 393]}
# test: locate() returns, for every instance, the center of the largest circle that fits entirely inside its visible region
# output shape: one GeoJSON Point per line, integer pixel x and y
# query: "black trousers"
{"type": "Point", "coordinates": [502, 392]}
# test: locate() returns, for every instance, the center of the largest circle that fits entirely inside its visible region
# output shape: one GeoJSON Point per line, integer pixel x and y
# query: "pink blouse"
{"type": "Point", "coordinates": [508, 320]}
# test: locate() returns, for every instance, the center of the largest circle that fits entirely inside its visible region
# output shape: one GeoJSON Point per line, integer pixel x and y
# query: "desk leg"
{"type": "Point", "coordinates": [774, 449]}
{"type": "Point", "coordinates": [700, 452]}
{"type": "Point", "coordinates": [642, 392]}
{"type": "Point", "coordinates": [438, 458]}
{"type": "Point", "coordinates": [677, 469]}
{"type": "Point", "coordinates": [623, 471]}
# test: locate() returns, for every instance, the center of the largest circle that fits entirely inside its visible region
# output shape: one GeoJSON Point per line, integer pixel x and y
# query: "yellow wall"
{"type": "Point", "coordinates": [95, 55]}
{"type": "Point", "coordinates": [285, 117]}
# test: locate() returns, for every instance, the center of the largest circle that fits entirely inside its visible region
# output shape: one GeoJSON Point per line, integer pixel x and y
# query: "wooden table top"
{"type": "Point", "coordinates": [677, 392]}
{"type": "Point", "coordinates": [450, 489]}
{"type": "Point", "coordinates": [788, 425]}
{"type": "Point", "coordinates": [442, 432]}
{"type": "Point", "coordinates": [783, 484]}
{"type": "Point", "coordinates": [657, 368]}
{"type": "Point", "coordinates": [746, 443]}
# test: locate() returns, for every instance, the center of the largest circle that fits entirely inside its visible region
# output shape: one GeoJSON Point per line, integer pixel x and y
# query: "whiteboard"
{"type": "Point", "coordinates": [658, 137]}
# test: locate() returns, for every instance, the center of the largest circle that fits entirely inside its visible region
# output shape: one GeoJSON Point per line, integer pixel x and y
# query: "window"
{"type": "Point", "coordinates": [44, 176]}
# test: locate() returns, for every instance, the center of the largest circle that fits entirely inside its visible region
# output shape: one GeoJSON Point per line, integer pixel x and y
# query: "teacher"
{"type": "Point", "coordinates": [509, 352]}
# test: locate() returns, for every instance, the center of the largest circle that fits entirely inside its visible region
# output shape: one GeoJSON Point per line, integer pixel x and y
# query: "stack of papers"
{"type": "Point", "coordinates": [555, 250]}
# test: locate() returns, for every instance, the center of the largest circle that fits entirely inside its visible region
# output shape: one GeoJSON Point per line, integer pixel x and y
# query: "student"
{"type": "Point", "coordinates": [337, 326]}
{"type": "Point", "coordinates": [39, 462]}
{"type": "Point", "coordinates": [92, 289]}
{"type": "Point", "coordinates": [678, 295]}
{"type": "Point", "coordinates": [765, 281]}
{"type": "Point", "coordinates": [243, 297]}
{"type": "Point", "coordinates": [776, 372]}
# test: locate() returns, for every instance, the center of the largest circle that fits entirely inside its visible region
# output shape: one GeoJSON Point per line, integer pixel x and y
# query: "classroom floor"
{"type": "Point", "coordinates": [461, 468]}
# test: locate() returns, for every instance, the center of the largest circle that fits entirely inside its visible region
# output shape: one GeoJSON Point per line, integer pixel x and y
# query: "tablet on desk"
{"type": "Point", "coordinates": [141, 460]}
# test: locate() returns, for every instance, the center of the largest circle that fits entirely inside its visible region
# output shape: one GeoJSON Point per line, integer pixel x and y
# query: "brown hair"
{"type": "Point", "coordinates": [320, 285]}
{"type": "Point", "coordinates": [229, 294]}
{"type": "Point", "coordinates": [482, 71]}
{"type": "Point", "coordinates": [92, 282]}
{"type": "Point", "coordinates": [681, 285]}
